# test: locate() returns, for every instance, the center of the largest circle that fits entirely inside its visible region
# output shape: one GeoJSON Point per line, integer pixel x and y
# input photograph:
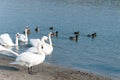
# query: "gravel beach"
{"type": "Point", "coordinates": [44, 71]}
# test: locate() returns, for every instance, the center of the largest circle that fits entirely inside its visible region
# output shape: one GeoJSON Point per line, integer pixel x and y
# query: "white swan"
{"type": "Point", "coordinates": [30, 59]}
{"type": "Point", "coordinates": [48, 48]}
{"type": "Point", "coordinates": [22, 37]}
{"type": "Point", "coordinates": [6, 40]}
{"type": "Point", "coordinates": [35, 42]}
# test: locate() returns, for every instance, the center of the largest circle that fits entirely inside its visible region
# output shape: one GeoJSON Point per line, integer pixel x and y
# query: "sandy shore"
{"type": "Point", "coordinates": [43, 71]}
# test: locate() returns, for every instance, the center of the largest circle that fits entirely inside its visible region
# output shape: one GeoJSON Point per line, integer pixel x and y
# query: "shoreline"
{"type": "Point", "coordinates": [44, 71]}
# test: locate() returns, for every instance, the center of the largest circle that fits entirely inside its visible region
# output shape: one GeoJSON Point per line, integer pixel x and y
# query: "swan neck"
{"type": "Point", "coordinates": [26, 33]}
{"type": "Point", "coordinates": [43, 40]}
{"type": "Point", "coordinates": [50, 39]}
{"type": "Point", "coordinates": [16, 41]}
{"type": "Point", "coordinates": [39, 48]}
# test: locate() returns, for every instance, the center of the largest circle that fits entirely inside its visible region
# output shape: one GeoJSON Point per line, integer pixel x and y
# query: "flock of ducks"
{"type": "Point", "coordinates": [40, 47]}
{"type": "Point", "coordinates": [77, 33]}
{"type": "Point", "coordinates": [75, 37]}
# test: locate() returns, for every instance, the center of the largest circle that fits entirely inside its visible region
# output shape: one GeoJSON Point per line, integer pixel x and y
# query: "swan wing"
{"type": "Point", "coordinates": [32, 49]}
{"type": "Point", "coordinates": [6, 40]}
{"type": "Point", "coordinates": [3, 48]}
{"type": "Point", "coordinates": [34, 42]}
{"type": "Point", "coordinates": [22, 37]}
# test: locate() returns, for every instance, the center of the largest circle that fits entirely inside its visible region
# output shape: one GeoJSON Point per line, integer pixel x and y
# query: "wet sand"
{"type": "Point", "coordinates": [44, 71]}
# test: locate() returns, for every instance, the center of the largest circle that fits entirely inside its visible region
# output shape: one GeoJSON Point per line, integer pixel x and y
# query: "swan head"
{"type": "Point", "coordinates": [50, 34]}
{"type": "Point", "coordinates": [26, 27]}
{"type": "Point", "coordinates": [17, 35]}
{"type": "Point", "coordinates": [44, 38]}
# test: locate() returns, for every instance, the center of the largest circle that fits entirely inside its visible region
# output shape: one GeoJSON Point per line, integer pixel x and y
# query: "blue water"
{"type": "Point", "coordinates": [99, 55]}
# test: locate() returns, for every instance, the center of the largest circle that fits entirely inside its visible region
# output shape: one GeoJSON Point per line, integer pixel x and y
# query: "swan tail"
{"type": "Point", "coordinates": [18, 63]}
{"type": "Point", "coordinates": [16, 54]}
{"type": "Point", "coordinates": [8, 50]}
{"type": "Point", "coordinates": [13, 63]}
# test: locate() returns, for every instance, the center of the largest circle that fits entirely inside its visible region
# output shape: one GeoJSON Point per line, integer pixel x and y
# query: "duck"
{"type": "Point", "coordinates": [51, 28]}
{"type": "Point", "coordinates": [74, 38]}
{"type": "Point", "coordinates": [55, 34]}
{"type": "Point", "coordinates": [37, 29]}
{"type": "Point", "coordinates": [77, 33]}
{"type": "Point", "coordinates": [93, 35]}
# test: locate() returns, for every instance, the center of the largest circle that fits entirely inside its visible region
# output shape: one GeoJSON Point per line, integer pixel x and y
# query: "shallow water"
{"type": "Point", "coordinates": [100, 55]}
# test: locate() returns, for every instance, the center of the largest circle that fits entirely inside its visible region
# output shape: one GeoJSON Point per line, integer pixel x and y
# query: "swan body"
{"type": "Point", "coordinates": [6, 40]}
{"type": "Point", "coordinates": [30, 59]}
{"type": "Point", "coordinates": [22, 37]}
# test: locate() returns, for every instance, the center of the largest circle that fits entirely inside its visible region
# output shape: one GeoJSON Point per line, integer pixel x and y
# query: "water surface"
{"type": "Point", "coordinates": [100, 55]}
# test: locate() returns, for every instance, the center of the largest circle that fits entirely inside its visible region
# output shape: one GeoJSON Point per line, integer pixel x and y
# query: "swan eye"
{"type": "Point", "coordinates": [42, 46]}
